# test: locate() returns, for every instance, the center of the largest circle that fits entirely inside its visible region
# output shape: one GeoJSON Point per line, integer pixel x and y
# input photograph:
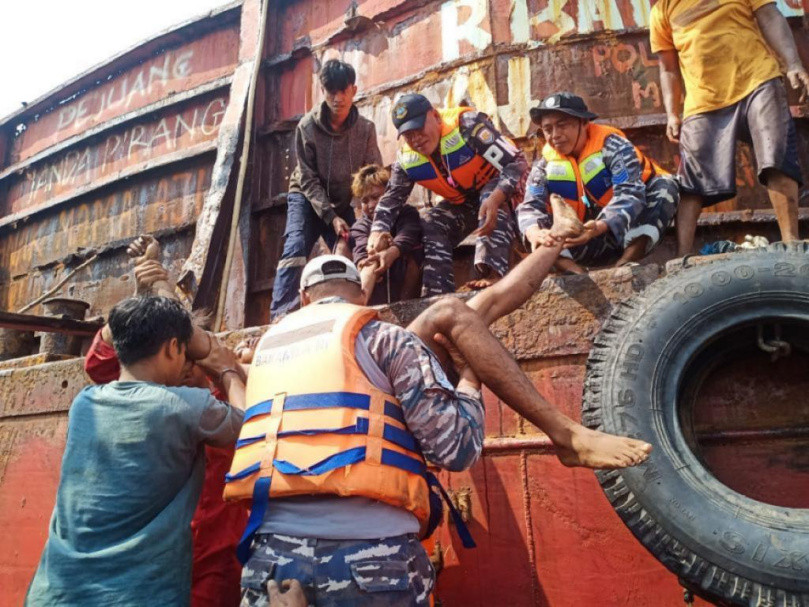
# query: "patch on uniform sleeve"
{"type": "Point", "coordinates": [622, 174]}
{"type": "Point", "coordinates": [485, 135]}
{"type": "Point", "coordinates": [536, 190]}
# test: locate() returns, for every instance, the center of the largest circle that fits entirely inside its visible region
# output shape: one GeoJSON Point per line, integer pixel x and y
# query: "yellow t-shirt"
{"type": "Point", "coordinates": [722, 52]}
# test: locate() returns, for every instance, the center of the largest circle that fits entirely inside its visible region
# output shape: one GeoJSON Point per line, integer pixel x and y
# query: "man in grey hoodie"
{"type": "Point", "coordinates": [332, 142]}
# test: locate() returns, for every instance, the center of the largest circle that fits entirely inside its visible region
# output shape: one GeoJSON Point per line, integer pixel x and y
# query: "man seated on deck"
{"type": "Point", "coordinates": [457, 154]}
{"type": "Point", "coordinates": [133, 466]}
{"type": "Point", "coordinates": [395, 273]}
{"type": "Point", "coordinates": [216, 526]}
{"type": "Point", "coordinates": [333, 460]}
{"type": "Point", "coordinates": [593, 175]}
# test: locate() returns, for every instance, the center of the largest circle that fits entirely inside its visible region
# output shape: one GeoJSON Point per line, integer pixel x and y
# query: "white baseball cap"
{"type": "Point", "coordinates": [329, 267]}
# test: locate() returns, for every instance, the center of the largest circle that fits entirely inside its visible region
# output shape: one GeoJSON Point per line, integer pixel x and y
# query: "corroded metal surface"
{"type": "Point", "coordinates": [502, 56]}
{"type": "Point", "coordinates": [176, 69]}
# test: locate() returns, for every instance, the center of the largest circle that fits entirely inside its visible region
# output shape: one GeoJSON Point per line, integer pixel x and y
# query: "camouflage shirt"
{"type": "Point", "coordinates": [628, 191]}
{"type": "Point", "coordinates": [447, 423]}
{"type": "Point", "coordinates": [479, 134]}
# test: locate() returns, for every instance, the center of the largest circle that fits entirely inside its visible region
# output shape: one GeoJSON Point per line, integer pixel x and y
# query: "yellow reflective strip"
{"type": "Point", "coordinates": [452, 141]}
{"type": "Point", "coordinates": [410, 158]}
{"type": "Point", "coordinates": [591, 166]}
{"type": "Point", "coordinates": [560, 170]}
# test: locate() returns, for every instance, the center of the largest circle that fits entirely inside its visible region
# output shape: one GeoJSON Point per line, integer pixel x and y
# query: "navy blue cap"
{"type": "Point", "coordinates": [410, 112]}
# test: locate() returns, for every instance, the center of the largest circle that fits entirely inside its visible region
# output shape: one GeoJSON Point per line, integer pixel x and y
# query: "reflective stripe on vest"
{"type": "Point", "coordinates": [315, 424]}
{"type": "Point", "coordinates": [469, 171]}
{"type": "Point", "coordinates": [588, 179]}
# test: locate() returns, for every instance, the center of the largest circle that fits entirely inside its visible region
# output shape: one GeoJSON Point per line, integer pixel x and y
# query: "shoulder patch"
{"type": "Point", "coordinates": [485, 135]}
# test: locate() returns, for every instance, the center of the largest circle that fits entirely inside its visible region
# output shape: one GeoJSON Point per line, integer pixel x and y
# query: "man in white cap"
{"type": "Point", "coordinates": [343, 412]}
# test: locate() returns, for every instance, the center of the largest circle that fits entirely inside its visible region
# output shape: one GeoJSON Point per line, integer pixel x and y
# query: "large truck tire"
{"type": "Point", "coordinates": [649, 357]}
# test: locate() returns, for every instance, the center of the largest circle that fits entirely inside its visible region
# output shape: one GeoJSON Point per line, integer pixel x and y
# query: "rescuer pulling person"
{"type": "Point", "coordinates": [344, 411]}
{"type": "Point", "coordinates": [623, 198]}
{"type": "Point", "coordinates": [459, 155]}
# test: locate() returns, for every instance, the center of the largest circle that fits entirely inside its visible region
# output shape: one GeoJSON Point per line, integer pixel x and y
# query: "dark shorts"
{"type": "Point", "coordinates": [708, 143]}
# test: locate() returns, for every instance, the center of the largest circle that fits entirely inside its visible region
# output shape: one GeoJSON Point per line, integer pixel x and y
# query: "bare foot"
{"type": "Point", "coordinates": [593, 449]}
{"type": "Point", "coordinates": [566, 223]}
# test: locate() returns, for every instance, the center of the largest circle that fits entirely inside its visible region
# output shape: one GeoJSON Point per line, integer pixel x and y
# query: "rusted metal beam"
{"type": "Point", "coordinates": [48, 324]}
{"type": "Point", "coordinates": [130, 171]}
{"type": "Point", "coordinates": [201, 268]}
{"type": "Point", "coordinates": [175, 99]}
{"type": "Point", "coordinates": [139, 52]}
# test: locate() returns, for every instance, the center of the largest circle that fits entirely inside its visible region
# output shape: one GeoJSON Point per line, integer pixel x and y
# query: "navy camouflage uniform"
{"type": "Point", "coordinates": [447, 423]}
{"type": "Point", "coordinates": [636, 209]}
{"type": "Point", "coordinates": [446, 224]}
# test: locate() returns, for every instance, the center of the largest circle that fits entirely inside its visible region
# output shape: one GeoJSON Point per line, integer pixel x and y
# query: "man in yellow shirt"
{"type": "Point", "coordinates": [718, 51]}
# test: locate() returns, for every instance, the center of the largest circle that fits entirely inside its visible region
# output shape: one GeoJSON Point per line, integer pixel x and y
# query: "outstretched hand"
{"type": "Point", "coordinates": [144, 247]}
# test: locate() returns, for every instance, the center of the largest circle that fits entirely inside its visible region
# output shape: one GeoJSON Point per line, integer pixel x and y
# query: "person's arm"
{"type": "Point", "coordinates": [223, 367]}
{"type": "Point", "coordinates": [671, 85]}
{"type": "Point", "coordinates": [359, 234]}
{"type": "Point", "coordinates": [628, 191]}
{"type": "Point", "coordinates": [533, 219]}
{"type": "Point", "coordinates": [101, 362]}
{"type": "Point", "coordinates": [388, 208]}
{"type": "Point", "coordinates": [310, 183]}
{"type": "Point", "coordinates": [778, 35]}
{"type": "Point", "coordinates": [481, 135]}
{"type": "Point", "coordinates": [408, 230]}
{"type": "Point", "coordinates": [447, 422]}
{"type": "Point", "coordinates": [661, 40]}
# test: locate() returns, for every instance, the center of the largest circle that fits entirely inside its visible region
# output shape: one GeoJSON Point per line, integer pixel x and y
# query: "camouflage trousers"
{"type": "Point", "coordinates": [393, 571]}
{"type": "Point", "coordinates": [446, 225]}
{"type": "Point", "coordinates": [662, 197]}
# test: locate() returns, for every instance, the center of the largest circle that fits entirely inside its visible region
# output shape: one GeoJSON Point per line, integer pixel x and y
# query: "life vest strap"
{"type": "Point", "coordinates": [326, 400]}
{"type": "Point", "coordinates": [261, 497]}
{"type": "Point", "coordinates": [376, 428]}
{"type": "Point", "coordinates": [436, 512]}
{"type": "Point", "coordinates": [390, 433]}
{"type": "Point", "coordinates": [261, 489]}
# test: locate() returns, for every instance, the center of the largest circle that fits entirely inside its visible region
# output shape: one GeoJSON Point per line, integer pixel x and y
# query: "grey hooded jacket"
{"type": "Point", "coordinates": [327, 159]}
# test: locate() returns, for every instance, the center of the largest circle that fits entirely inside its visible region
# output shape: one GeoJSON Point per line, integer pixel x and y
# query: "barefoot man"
{"type": "Point", "coordinates": [338, 505]}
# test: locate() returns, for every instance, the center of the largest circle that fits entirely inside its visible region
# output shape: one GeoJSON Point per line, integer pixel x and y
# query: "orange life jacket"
{"type": "Point", "coordinates": [468, 170]}
{"type": "Point", "coordinates": [587, 178]}
{"type": "Point", "coordinates": [315, 424]}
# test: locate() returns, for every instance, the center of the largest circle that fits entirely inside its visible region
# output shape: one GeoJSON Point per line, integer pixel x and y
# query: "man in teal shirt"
{"type": "Point", "coordinates": [133, 467]}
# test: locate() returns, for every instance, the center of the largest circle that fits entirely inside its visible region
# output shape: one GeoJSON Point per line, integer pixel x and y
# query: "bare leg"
{"type": "Point", "coordinates": [783, 193]}
{"type": "Point", "coordinates": [514, 289]}
{"type": "Point", "coordinates": [368, 279]}
{"type": "Point", "coordinates": [494, 366]}
{"type": "Point", "coordinates": [688, 213]}
{"type": "Point", "coordinates": [635, 251]}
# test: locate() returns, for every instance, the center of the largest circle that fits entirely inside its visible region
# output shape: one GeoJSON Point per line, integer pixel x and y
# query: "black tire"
{"type": "Point", "coordinates": [724, 545]}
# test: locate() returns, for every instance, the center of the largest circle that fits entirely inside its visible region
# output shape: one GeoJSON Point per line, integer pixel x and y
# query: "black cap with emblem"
{"type": "Point", "coordinates": [409, 112]}
{"type": "Point", "coordinates": [564, 102]}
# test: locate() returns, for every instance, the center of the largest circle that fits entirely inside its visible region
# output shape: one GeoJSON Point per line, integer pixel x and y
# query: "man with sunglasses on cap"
{"type": "Point", "coordinates": [343, 410]}
{"type": "Point", "coordinates": [624, 200]}
{"type": "Point", "coordinates": [459, 155]}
